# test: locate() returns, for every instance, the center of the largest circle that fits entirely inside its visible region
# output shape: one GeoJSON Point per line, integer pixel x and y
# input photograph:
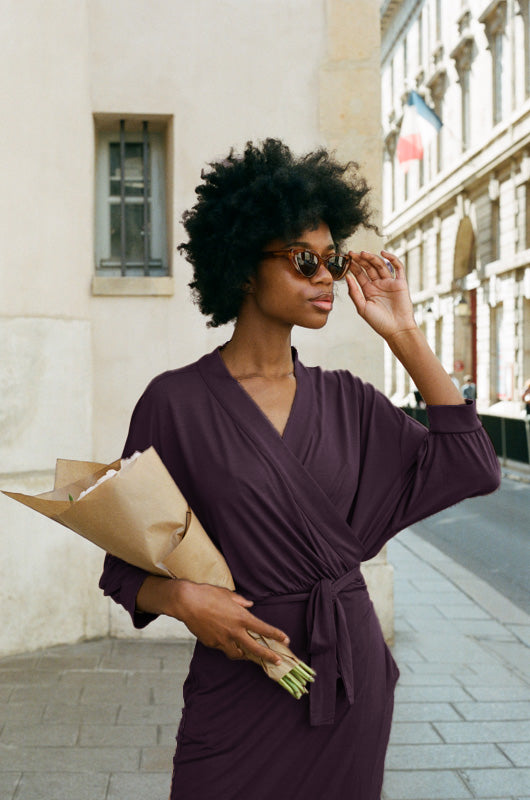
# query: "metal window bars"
{"type": "Point", "coordinates": [146, 187]}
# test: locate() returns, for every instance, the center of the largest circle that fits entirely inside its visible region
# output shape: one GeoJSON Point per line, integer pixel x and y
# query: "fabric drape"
{"type": "Point", "coordinates": [294, 516]}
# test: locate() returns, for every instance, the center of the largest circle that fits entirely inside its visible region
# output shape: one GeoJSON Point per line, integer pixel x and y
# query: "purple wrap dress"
{"type": "Point", "coordinates": [294, 516]}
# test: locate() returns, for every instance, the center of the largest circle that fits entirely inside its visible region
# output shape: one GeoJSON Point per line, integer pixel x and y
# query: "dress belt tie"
{"type": "Point", "coordinates": [329, 642]}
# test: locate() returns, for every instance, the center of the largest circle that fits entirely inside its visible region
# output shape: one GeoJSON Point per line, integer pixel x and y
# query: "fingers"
{"type": "Point", "coordinates": [257, 625]}
{"type": "Point", "coordinates": [355, 292]}
{"type": "Point", "coordinates": [370, 267]}
{"type": "Point", "coordinates": [399, 269]}
{"type": "Point", "coordinates": [258, 649]}
{"type": "Point", "coordinates": [242, 601]}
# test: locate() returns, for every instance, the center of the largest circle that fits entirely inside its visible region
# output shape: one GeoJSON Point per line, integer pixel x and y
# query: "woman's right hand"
{"type": "Point", "coordinates": [218, 617]}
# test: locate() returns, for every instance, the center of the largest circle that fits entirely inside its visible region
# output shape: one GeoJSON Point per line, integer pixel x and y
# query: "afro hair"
{"type": "Point", "coordinates": [246, 201]}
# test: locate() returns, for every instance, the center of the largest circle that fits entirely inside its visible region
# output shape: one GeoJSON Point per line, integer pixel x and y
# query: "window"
{"type": "Point", "coordinates": [131, 237]}
{"type": "Point", "coordinates": [463, 56]}
{"type": "Point", "coordinates": [495, 229]}
{"type": "Point", "coordinates": [494, 21]}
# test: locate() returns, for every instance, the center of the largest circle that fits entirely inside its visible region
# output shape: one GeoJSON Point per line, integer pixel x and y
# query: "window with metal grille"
{"type": "Point", "coordinates": [130, 200]}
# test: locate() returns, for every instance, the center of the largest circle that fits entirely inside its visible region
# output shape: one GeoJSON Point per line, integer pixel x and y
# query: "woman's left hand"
{"type": "Point", "coordinates": [380, 297]}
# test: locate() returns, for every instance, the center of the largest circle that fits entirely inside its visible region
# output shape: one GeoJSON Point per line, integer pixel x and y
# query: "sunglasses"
{"type": "Point", "coordinates": [307, 262]}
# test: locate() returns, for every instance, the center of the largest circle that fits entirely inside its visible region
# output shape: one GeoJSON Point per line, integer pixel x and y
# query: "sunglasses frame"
{"type": "Point", "coordinates": [292, 252]}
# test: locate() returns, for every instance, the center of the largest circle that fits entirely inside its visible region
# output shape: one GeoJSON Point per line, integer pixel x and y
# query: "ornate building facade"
{"type": "Point", "coordinates": [460, 217]}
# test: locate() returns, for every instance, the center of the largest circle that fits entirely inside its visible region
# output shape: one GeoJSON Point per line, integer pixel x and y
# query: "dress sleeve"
{"type": "Point", "coordinates": [409, 472]}
{"type": "Point", "coordinates": [120, 580]}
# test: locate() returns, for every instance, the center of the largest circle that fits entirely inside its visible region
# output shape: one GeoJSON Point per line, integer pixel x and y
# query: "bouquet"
{"type": "Point", "coordinates": [133, 509]}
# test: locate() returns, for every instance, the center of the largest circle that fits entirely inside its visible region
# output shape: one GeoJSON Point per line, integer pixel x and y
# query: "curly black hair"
{"type": "Point", "coordinates": [247, 200]}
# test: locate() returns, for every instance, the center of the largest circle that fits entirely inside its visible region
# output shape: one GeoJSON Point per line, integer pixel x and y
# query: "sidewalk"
{"type": "Point", "coordinates": [97, 720]}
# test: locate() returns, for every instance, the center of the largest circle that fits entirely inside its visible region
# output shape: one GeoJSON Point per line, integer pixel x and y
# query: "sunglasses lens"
{"type": "Point", "coordinates": [337, 266]}
{"type": "Point", "coordinates": [307, 262]}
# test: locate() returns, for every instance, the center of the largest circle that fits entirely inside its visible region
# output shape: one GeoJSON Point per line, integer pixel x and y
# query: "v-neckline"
{"type": "Point", "coordinates": [258, 408]}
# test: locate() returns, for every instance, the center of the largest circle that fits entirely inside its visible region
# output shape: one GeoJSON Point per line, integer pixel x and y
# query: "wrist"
{"type": "Point", "coordinates": [401, 339]}
{"type": "Point", "coordinates": [158, 595]}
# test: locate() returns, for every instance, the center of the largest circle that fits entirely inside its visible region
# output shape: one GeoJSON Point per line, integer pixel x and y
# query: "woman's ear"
{"type": "Point", "coordinates": [248, 285]}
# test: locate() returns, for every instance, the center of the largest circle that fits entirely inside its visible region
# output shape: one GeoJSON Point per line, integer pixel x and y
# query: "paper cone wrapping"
{"type": "Point", "coordinates": [141, 516]}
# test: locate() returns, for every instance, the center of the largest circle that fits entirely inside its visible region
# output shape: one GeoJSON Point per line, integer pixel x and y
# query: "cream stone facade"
{"type": "Point", "coordinates": [461, 218]}
{"type": "Point", "coordinates": [78, 342]}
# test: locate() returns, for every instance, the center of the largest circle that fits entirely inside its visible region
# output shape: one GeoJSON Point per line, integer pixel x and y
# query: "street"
{"type": "Point", "coordinates": [490, 536]}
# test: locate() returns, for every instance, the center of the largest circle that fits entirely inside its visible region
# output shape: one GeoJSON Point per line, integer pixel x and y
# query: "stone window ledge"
{"type": "Point", "coordinates": [127, 286]}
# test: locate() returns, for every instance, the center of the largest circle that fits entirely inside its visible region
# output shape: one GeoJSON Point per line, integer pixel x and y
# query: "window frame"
{"type": "Point", "coordinates": [108, 132]}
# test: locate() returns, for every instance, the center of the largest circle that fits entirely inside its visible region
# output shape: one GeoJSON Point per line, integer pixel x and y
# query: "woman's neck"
{"type": "Point", "coordinates": [259, 350]}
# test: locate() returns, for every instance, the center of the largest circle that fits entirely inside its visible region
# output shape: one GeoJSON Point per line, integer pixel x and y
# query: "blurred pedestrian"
{"type": "Point", "coordinates": [525, 397]}
{"type": "Point", "coordinates": [469, 388]}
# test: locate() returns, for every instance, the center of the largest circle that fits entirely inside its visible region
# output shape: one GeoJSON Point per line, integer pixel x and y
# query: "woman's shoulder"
{"type": "Point", "coordinates": [172, 383]}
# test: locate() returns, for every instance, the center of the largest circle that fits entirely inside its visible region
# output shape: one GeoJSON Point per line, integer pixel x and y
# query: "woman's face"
{"type": "Point", "coordinates": [281, 294]}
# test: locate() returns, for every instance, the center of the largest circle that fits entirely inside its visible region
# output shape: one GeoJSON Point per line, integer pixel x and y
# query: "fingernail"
{"type": "Point", "coordinates": [286, 639]}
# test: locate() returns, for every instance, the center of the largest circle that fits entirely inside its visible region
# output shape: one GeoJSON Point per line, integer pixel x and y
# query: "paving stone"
{"type": "Point", "coordinates": [494, 675]}
{"type": "Point", "coordinates": [483, 629]}
{"type": "Point", "coordinates": [157, 759]}
{"type": "Point", "coordinates": [492, 711]}
{"type": "Point", "coordinates": [413, 733]}
{"type": "Point", "coordinates": [424, 712]}
{"type": "Point", "coordinates": [518, 752]}
{"type": "Point", "coordinates": [495, 782]}
{"type": "Point", "coordinates": [427, 679]}
{"type": "Point", "coordinates": [63, 694]}
{"type": "Point", "coordinates": [429, 784]}
{"type": "Point", "coordinates": [522, 632]}
{"type": "Point", "coordinates": [443, 756]}
{"type": "Point", "coordinates": [430, 694]}
{"type": "Point", "coordinates": [514, 653]}
{"type": "Point", "coordinates": [125, 786]}
{"type": "Point", "coordinates": [466, 732]}
{"type": "Point", "coordinates": [69, 759]}
{"type": "Point", "coordinates": [39, 734]}
{"type": "Point", "coordinates": [5, 693]}
{"type": "Point", "coordinates": [67, 786]}
{"type": "Point", "coordinates": [92, 695]}
{"type": "Point", "coordinates": [60, 712]}
{"type": "Point", "coordinates": [167, 734]}
{"type": "Point", "coordinates": [94, 678]}
{"type": "Point", "coordinates": [455, 668]}
{"type": "Point", "coordinates": [463, 611]}
{"type": "Point", "coordinates": [8, 784]}
{"type": "Point", "coordinates": [159, 715]}
{"type": "Point", "coordinates": [60, 662]}
{"type": "Point", "coordinates": [498, 693]}
{"type": "Point", "coordinates": [23, 712]}
{"type": "Point", "coordinates": [169, 695]}
{"type": "Point", "coordinates": [117, 735]}
{"type": "Point", "coordinates": [27, 677]}
{"type": "Point", "coordinates": [136, 681]}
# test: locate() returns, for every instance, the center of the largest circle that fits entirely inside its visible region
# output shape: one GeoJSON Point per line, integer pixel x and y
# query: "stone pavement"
{"type": "Point", "coordinates": [97, 720]}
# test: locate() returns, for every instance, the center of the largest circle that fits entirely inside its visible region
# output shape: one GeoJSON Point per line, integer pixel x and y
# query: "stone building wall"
{"type": "Point", "coordinates": [469, 198]}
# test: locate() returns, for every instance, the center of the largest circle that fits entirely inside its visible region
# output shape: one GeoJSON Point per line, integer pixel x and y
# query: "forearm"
{"type": "Point", "coordinates": [434, 384]}
{"type": "Point", "coordinates": [158, 595]}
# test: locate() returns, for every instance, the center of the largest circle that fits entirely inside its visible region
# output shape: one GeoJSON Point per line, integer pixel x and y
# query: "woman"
{"type": "Point", "coordinates": [298, 474]}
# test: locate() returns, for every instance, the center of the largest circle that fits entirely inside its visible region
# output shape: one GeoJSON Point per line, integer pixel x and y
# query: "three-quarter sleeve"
{"type": "Point", "coordinates": [121, 580]}
{"type": "Point", "coordinates": [408, 472]}
{"type": "Point", "coordinates": [456, 460]}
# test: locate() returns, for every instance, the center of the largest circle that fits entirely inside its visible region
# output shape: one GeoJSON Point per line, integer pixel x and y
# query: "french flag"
{"type": "Point", "coordinates": [419, 126]}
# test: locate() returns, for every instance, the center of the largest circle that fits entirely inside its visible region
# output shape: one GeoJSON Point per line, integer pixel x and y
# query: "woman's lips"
{"type": "Point", "coordinates": [325, 302]}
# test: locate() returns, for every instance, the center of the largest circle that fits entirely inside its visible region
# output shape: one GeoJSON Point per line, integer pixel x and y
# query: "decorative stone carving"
{"type": "Point", "coordinates": [494, 18]}
{"type": "Point", "coordinates": [462, 54]}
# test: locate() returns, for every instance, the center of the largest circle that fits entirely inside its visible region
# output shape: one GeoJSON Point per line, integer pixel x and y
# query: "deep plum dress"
{"type": "Point", "coordinates": [294, 516]}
